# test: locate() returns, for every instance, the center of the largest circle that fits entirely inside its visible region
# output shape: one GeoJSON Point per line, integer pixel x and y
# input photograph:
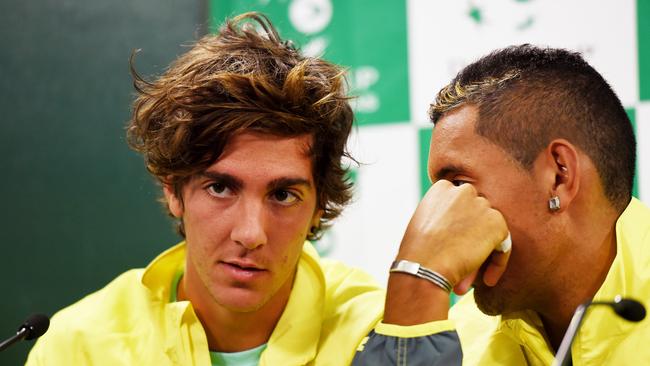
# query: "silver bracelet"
{"type": "Point", "coordinates": [417, 270]}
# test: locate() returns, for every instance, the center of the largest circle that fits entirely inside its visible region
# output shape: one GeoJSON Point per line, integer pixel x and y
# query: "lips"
{"type": "Point", "coordinates": [241, 271]}
{"type": "Point", "coordinates": [244, 265]}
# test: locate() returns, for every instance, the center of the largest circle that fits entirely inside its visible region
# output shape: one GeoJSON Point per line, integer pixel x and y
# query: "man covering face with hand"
{"type": "Point", "coordinates": [534, 142]}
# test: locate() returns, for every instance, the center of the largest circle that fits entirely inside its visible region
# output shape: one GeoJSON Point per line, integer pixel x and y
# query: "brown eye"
{"type": "Point", "coordinates": [284, 197]}
{"type": "Point", "coordinates": [458, 182]}
{"type": "Point", "coordinates": [219, 190]}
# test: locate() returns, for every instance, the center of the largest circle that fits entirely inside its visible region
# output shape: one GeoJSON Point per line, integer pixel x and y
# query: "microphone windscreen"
{"type": "Point", "coordinates": [629, 309]}
{"type": "Point", "coordinates": [36, 326]}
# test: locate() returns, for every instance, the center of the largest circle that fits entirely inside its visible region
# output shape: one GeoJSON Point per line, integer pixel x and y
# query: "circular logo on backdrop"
{"type": "Point", "coordinates": [310, 16]}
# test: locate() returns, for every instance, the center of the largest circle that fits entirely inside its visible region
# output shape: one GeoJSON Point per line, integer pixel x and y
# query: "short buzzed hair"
{"type": "Point", "coordinates": [527, 96]}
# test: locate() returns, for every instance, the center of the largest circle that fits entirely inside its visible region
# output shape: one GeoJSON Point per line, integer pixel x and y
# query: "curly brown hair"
{"type": "Point", "coordinates": [243, 79]}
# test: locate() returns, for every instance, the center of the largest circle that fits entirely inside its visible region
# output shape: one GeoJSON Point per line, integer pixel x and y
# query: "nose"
{"type": "Point", "coordinates": [249, 227]}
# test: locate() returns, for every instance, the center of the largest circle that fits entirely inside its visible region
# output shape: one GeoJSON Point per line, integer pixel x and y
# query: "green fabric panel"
{"type": "Point", "coordinates": [173, 293]}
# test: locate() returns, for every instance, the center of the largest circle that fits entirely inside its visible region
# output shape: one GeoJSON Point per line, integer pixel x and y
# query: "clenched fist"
{"type": "Point", "coordinates": [453, 231]}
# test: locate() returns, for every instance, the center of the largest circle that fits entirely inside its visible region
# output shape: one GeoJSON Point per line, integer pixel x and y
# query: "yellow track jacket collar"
{"type": "Point", "coordinates": [296, 336]}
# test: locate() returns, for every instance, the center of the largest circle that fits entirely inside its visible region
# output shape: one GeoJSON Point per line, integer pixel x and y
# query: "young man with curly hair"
{"type": "Point", "coordinates": [246, 137]}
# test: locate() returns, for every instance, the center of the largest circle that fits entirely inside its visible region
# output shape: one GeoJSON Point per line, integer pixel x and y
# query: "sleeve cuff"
{"type": "Point", "coordinates": [413, 331]}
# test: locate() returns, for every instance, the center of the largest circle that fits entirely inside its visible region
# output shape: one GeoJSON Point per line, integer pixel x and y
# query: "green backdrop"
{"type": "Point", "coordinates": [78, 206]}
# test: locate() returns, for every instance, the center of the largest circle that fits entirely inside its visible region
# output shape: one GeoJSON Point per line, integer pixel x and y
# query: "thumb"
{"type": "Point", "coordinates": [465, 284]}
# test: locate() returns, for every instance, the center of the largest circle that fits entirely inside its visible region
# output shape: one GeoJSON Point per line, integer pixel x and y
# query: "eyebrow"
{"type": "Point", "coordinates": [223, 178]}
{"type": "Point", "coordinates": [284, 182]}
{"type": "Point", "coordinates": [236, 183]}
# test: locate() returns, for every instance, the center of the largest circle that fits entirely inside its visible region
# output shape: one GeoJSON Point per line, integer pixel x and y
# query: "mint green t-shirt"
{"type": "Point", "coordinates": [249, 357]}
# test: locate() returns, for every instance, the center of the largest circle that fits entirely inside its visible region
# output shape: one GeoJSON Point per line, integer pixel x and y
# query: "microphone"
{"type": "Point", "coordinates": [35, 326]}
{"type": "Point", "coordinates": [627, 309]}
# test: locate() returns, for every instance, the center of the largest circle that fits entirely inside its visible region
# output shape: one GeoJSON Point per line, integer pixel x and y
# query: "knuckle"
{"type": "Point", "coordinates": [483, 202]}
{"type": "Point", "coordinates": [498, 220]}
{"type": "Point", "coordinates": [467, 189]}
{"type": "Point", "coordinates": [442, 183]}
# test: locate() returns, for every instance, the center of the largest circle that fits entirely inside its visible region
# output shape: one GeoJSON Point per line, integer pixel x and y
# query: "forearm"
{"type": "Point", "coordinates": [411, 300]}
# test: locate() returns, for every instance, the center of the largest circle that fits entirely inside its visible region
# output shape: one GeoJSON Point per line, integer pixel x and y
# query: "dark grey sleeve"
{"type": "Point", "coordinates": [432, 350]}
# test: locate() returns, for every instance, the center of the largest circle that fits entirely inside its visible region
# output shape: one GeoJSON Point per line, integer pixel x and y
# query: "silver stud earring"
{"type": "Point", "coordinates": [554, 203]}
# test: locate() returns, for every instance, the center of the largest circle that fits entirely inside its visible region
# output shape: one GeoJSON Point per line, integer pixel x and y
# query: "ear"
{"type": "Point", "coordinates": [315, 220]}
{"type": "Point", "coordinates": [174, 203]}
{"type": "Point", "coordinates": [562, 171]}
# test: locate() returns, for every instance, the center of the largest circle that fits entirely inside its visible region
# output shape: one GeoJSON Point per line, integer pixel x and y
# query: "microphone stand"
{"type": "Point", "coordinates": [563, 356]}
{"type": "Point", "coordinates": [628, 309]}
{"type": "Point", "coordinates": [35, 326]}
{"type": "Point", "coordinates": [22, 333]}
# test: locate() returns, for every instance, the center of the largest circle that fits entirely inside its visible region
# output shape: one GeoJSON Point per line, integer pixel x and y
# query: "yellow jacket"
{"type": "Point", "coordinates": [604, 338]}
{"type": "Point", "coordinates": [131, 321]}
